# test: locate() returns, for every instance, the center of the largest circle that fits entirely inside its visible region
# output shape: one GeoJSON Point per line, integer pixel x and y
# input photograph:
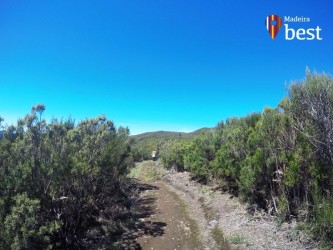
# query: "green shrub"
{"type": "Point", "coordinates": [323, 218]}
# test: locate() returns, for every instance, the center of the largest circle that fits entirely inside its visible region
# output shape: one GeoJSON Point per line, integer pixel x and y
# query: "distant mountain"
{"type": "Point", "coordinates": [199, 131]}
{"type": "Point", "coordinates": [1, 133]}
{"type": "Point", "coordinates": [159, 135]}
{"type": "Point", "coordinates": [144, 144]}
{"type": "Point", "coordinates": [169, 134]}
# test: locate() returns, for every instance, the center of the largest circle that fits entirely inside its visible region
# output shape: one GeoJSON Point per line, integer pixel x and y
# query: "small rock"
{"type": "Point", "coordinates": [212, 223]}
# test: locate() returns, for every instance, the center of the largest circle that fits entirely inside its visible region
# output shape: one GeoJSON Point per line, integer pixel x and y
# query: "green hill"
{"type": "Point", "coordinates": [144, 144]}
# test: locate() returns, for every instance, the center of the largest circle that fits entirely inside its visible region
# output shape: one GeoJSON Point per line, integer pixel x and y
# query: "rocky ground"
{"type": "Point", "coordinates": [188, 215]}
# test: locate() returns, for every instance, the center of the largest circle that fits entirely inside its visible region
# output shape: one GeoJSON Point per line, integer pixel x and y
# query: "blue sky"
{"type": "Point", "coordinates": [154, 65]}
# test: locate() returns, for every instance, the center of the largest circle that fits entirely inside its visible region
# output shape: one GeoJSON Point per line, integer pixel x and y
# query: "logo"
{"type": "Point", "coordinates": [305, 32]}
{"type": "Point", "coordinates": [273, 25]}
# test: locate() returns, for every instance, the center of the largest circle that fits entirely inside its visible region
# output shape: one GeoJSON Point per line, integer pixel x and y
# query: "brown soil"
{"type": "Point", "coordinates": [163, 222]}
{"type": "Point", "coordinates": [241, 229]}
{"type": "Point", "coordinates": [179, 231]}
{"type": "Point", "coordinates": [174, 212]}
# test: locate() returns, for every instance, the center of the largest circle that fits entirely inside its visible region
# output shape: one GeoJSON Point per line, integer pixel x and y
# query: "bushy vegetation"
{"type": "Point", "coordinates": [281, 160]}
{"type": "Point", "coordinates": [61, 183]}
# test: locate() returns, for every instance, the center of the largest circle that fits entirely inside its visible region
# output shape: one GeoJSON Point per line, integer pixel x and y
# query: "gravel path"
{"type": "Point", "coordinates": [242, 230]}
{"type": "Point", "coordinates": [163, 221]}
{"type": "Point", "coordinates": [175, 212]}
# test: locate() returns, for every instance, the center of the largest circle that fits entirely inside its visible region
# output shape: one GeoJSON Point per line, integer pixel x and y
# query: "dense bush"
{"type": "Point", "coordinates": [61, 184]}
{"type": "Point", "coordinates": [173, 152]}
{"type": "Point", "coordinates": [281, 160]}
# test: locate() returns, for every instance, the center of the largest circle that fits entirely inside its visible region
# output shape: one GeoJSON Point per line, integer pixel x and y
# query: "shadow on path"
{"type": "Point", "coordinates": [143, 207]}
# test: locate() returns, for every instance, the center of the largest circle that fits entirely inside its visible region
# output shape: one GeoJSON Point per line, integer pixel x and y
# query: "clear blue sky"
{"type": "Point", "coordinates": [153, 64]}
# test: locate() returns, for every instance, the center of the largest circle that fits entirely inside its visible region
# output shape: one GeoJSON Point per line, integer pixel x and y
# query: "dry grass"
{"type": "Point", "coordinates": [219, 238]}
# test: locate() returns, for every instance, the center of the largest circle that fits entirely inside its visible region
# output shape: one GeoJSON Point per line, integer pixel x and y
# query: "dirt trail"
{"type": "Point", "coordinates": [163, 219]}
{"type": "Point", "coordinates": [174, 212]}
{"type": "Point", "coordinates": [242, 230]}
{"type": "Point", "coordinates": [180, 232]}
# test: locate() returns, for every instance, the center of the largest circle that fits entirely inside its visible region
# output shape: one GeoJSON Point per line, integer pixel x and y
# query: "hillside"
{"type": "Point", "coordinates": [143, 144]}
{"type": "Point", "coordinates": [169, 134]}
